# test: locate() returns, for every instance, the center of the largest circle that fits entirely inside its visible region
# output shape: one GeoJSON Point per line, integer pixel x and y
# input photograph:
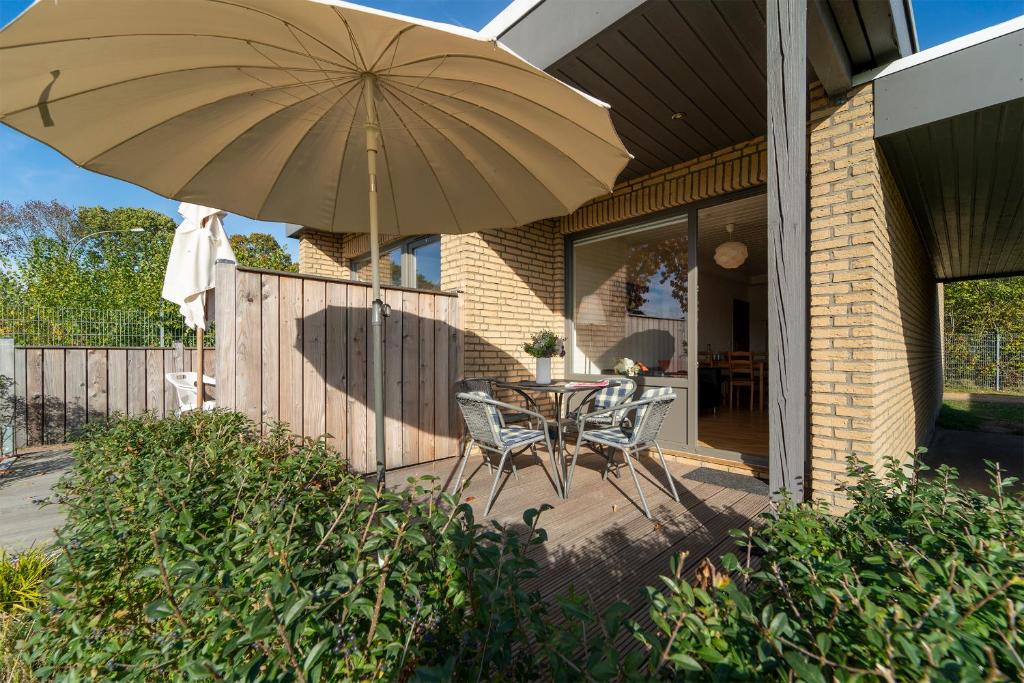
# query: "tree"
{"type": "Point", "coordinates": [260, 250]}
{"type": "Point", "coordinates": [974, 306]}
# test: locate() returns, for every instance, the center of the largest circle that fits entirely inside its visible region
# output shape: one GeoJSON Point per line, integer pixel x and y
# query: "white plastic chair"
{"type": "Point", "coordinates": [184, 384]}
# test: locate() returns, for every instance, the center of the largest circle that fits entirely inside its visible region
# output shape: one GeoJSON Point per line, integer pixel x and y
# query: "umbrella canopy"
{"type": "Point", "coordinates": [314, 112]}
{"type": "Point", "coordinates": [258, 107]}
{"type": "Point", "coordinates": [199, 242]}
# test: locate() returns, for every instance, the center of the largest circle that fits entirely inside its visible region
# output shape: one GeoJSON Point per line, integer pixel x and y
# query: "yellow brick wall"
{"type": "Point", "coordinates": [875, 372]}
{"type": "Point", "coordinates": [321, 253]}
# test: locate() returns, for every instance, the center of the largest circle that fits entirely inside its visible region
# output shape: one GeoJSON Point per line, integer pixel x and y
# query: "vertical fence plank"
{"type": "Point", "coordinates": [455, 373]}
{"type": "Point", "coordinates": [9, 398]}
{"type": "Point", "coordinates": [117, 382]}
{"type": "Point", "coordinates": [136, 381]}
{"type": "Point", "coordinates": [410, 377]}
{"type": "Point", "coordinates": [291, 345]}
{"type": "Point", "coordinates": [270, 377]}
{"type": "Point", "coordinates": [225, 304]}
{"type": "Point", "coordinates": [442, 400]}
{"type": "Point", "coordinates": [358, 396]}
{"type": "Point", "coordinates": [425, 390]}
{"type": "Point", "coordinates": [155, 382]}
{"type": "Point", "coordinates": [20, 398]}
{"type": "Point", "coordinates": [74, 392]}
{"type": "Point", "coordinates": [248, 346]}
{"type": "Point", "coordinates": [53, 396]}
{"type": "Point", "coordinates": [170, 393]}
{"type": "Point", "coordinates": [314, 335]}
{"type": "Point", "coordinates": [393, 380]}
{"type": "Point", "coordinates": [35, 396]}
{"type": "Point", "coordinates": [96, 378]}
{"type": "Point", "coordinates": [336, 364]}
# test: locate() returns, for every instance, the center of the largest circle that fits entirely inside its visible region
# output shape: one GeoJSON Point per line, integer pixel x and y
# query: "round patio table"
{"type": "Point", "coordinates": [560, 390]}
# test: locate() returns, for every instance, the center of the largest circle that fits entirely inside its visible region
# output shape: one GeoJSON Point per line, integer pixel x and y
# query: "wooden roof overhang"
{"type": "Point", "coordinates": [950, 121]}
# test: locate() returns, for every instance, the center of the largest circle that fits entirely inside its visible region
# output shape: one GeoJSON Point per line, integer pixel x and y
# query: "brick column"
{"type": "Point", "coordinates": [322, 253]}
{"type": "Point", "coordinates": [875, 388]}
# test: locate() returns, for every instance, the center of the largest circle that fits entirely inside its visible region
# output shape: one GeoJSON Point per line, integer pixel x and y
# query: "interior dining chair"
{"type": "Point", "coordinates": [741, 375]}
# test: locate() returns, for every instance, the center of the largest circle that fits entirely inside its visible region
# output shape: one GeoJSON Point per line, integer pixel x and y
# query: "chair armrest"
{"type": "Point", "coordinates": [509, 407]}
{"type": "Point", "coordinates": [622, 406]}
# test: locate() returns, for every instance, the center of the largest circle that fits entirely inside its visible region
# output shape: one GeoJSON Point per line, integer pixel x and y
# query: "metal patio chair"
{"type": "Point", "coordinates": [605, 397]}
{"type": "Point", "coordinates": [650, 413]}
{"type": "Point", "coordinates": [487, 429]}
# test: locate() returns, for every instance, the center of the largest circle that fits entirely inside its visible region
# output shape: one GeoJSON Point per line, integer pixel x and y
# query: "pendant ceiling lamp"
{"type": "Point", "coordinates": [731, 254]}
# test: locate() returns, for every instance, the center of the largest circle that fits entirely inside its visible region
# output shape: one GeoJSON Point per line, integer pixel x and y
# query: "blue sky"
{"type": "Point", "coordinates": [30, 170]}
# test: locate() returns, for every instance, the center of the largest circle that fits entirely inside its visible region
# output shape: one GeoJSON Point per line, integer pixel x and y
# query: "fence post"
{"type": "Point", "coordinates": [998, 360]}
{"type": "Point", "coordinates": [7, 396]}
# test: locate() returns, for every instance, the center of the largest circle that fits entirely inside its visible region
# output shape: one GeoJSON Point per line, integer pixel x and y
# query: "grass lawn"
{"type": "Point", "coordinates": [975, 416]}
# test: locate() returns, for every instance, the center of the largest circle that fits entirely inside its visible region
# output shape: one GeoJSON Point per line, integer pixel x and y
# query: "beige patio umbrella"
{"type": "Point", "coordinates": [320, 113]}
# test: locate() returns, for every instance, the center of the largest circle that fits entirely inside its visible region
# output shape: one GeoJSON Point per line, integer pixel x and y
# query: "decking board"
{"type": "Point", "coordinates": [599, 544]}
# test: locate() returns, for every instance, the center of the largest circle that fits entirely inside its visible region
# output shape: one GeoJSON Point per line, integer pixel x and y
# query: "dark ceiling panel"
{"type": "Point", "coordinates": [848, 22]}
{"type": "Point", "coordinates": [876, 16]}
{"type": "Point", "coordinates": [683, 78]}
{"type": "Point", "coordinates": [963, 180]}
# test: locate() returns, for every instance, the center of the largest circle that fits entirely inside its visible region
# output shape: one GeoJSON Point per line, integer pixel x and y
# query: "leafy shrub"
{"type": "Point", "coordinates": [198, 548]}
{"type": "Point", "coordinates": [922, 580]}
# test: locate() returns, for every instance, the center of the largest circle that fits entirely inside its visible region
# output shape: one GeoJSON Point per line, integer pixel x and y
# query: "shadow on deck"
{"type": "Point", "coordinates": [599, 544]}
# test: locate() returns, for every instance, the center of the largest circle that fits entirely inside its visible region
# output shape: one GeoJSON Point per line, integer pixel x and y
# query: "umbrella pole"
{"type": "Point", "coordinates": [377, 317]}
{"type": "Point", "coordinates": [200, 388]}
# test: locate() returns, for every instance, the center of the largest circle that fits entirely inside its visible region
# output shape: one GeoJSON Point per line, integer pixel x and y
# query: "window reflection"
{"type": "Point", "coordinates": [630, 299]}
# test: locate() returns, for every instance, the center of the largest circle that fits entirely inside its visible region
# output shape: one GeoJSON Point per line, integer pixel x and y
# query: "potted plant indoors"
{"type": "Point", "coordinates": [544, 346]}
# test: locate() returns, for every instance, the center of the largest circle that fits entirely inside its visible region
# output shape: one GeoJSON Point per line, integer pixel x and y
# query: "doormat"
{"type": "Point", "coordinates": [729, 480]}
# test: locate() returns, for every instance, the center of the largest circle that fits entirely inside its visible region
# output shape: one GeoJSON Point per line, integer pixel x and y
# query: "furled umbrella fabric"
{"type": "Point", "coordinates": [199, 242]}
{"type": "Point", "coordinates": [312, 112]}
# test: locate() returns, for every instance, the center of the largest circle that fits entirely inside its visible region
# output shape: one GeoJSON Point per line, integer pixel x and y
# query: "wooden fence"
{"type": "Point", "coordinates": [58, 390]}
{"type": "Point", "coordinates": [299, 353]}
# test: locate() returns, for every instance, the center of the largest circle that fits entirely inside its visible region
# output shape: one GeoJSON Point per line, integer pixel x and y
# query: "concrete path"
{"type": "Point", "coordinates": [24, 521]}
{"type": "Point", "coordinates": [968, 451]}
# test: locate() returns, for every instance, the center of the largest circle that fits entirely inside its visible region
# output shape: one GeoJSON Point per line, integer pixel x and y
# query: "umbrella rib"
{"type": "Point", "coordinates": [112, 36]}
{"type": "Point", "coordinates": [489, 137]}
{"type": "Point", "coordinates": [426, 159]}
{"type": "Point", "coordinates": [455, 96]}
{"type": "Point", "coordinates": [472, 165]}
{"type": "Point", "coordinates": [298, 144]}
{"type": "Point", "coordinates": [134, 79]}
{"type": "Point", "coordinates": [344, 155]}
{"type": "Point", "coordinates": [319, 68]}
{"type": "Point", "coordinates": [287, 23]}
{"type": "Point", "coordinates": [394, 39]}
{"type": "Point", "coordinates": [244, 132]}
{"type": "Point", "coordinates": [517, 125]}
{"type": "Point", "coordinates": [351, 39]}
{"type": "Point", "coordinates": [247, 93]}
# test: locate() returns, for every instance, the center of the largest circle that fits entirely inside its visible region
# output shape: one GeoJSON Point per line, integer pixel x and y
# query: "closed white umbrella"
{"type": "Point", "coordinates": [199, 242]}
{"type": "Point", "coordinates": [300, 110]}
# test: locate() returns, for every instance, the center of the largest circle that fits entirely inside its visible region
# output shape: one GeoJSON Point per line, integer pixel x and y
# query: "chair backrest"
{"type": "Point", "coordinates": [651, 416]}
{"type": "Point", "coordinates": [474, 384]}
{"type": "Point", "coordinates": [611, 396]}
{"type": "Point", "coordinates": [483, 420]}
{"type": "Point", "coordinates": [741, 361]}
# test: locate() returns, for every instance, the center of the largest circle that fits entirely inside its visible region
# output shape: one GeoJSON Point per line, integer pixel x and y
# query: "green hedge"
{"type": "Point", "coordinates": [199, 548]}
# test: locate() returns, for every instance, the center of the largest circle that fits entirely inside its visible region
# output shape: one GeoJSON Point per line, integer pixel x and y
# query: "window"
{"type": "Point", "coordinates": [410, 263]}
{"type": "Point", "coordinates": [630, 298]}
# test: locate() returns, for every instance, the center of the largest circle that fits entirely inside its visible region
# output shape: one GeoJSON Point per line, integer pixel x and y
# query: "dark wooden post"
{"type": "Point", "coordinates": [787, 245]}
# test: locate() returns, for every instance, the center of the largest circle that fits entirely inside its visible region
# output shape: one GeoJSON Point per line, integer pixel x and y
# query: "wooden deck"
{"type": "Point", "coordinates": [599, 543]}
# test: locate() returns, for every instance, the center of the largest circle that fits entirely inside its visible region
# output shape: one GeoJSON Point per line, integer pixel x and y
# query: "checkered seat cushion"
{"type": "Point", "coordinates": [612, 436]}
{"type": "Point", "coordinates": [608, 397]}
{"type": "Point", "coordinates": [517, 436]}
